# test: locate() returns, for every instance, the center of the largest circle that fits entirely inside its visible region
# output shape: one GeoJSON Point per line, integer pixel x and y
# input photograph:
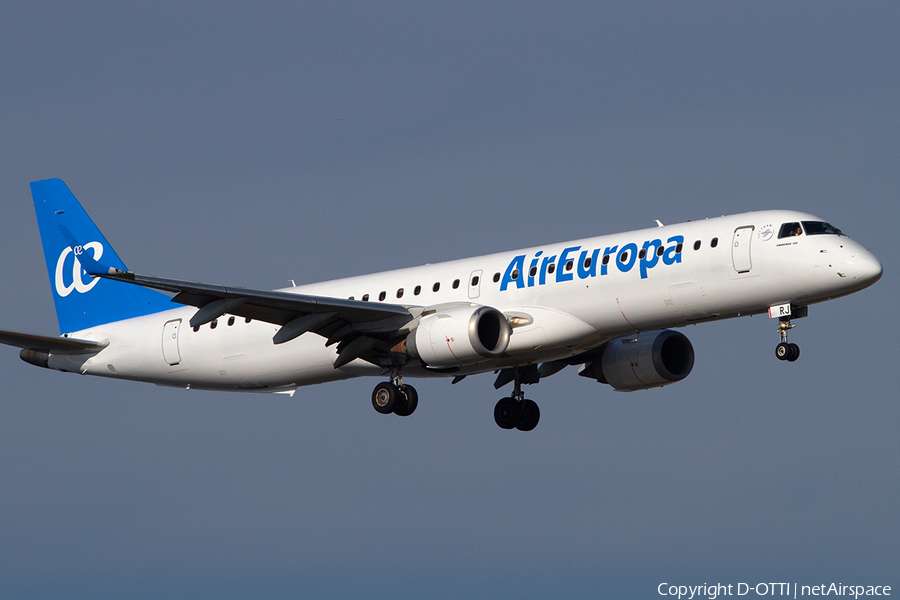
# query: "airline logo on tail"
{"type": "Point", "coordinates": [78, 283]}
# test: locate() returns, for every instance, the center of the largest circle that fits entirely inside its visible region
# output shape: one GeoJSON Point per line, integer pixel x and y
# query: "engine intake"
{"type": "Point", "coordinates": [654, 359]}
{"type": "Point", "coordinates": [460, 336]}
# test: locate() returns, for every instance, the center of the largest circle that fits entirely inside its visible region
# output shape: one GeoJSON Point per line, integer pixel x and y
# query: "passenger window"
{"type": "Point", "coordinates": [569, 265]}
{"type": "Point", "coordinates": [351, 298]}
{"type": "Point", "coordinates": [497, 276]}
{"type": "Point", "coordinates": [660, 250]}
{"type": "Point", "coordinates": [697, 245]}
{"type": "Point", "coordinates": [587, 263]}
{"type": "Point", "coordinates": [230, 321]}
{"type": "Point", "coordinates": [365, 298]}
{"type": "Point", "coordinates": [246, 319]}
{"type": "Point", "coordinates": [714, 242]}
{"type": "Point", "coordinates": [532, 272]}
{"type": "Point", "coordinates": [417, 291]}
{"type": "Point", "coordinates": [196, 328]}
{"type": "Point", "coordinates": [382, 296]}
{"type": "Point", "coordinates": [551, 268]}
{"type": "Point", "coordinates": [455, 283]}
{"type": "Point", "coordinates": [213, 324]}
{"type": "Point", "coordinates": [624, 257]}
{"type": "Point", "coordinates": [436, 286]}
{"type": "Point", "coordinates": [642, 253]}
{"type": "Point", "coordinates": [790, 230]}
{"type": "Point", "coordinates": [678, 249]}
{"type": "Point", "coordinates": [400, 293]}
{"type": "Point", "coordinates": [475, 281]}
{"type": "Point", "coordinates": [515, 275]}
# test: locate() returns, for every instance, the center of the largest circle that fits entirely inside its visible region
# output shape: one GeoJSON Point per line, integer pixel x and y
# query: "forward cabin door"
{"type": "Point", "coordinates": [740, 249]}
{"type": "Point", "coordinates": [170, 342]}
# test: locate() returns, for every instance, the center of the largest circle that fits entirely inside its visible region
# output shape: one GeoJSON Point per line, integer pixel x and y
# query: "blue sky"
{"type": "Point", "coordinates": [253, 145]}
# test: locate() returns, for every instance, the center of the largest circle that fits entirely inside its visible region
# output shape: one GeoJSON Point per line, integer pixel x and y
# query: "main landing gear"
{"type": "Point", "coordinates": [784, 350]}
{"type": "Point", "coordinates": [516, 412]}
{"type": "Point", "coordinates": [395, 397]}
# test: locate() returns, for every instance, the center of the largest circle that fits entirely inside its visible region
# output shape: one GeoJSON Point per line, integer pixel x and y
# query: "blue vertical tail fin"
{"type": "Point", "coordinates": [82, 301]}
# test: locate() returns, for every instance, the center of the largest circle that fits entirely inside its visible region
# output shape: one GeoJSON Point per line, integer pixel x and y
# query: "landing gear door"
{"type": "Point", "coordinates": [170, 350]}
{"type": "Point", "coordinates": [740, 249]}
{"type": "Point", "coordinates": [475, 284]}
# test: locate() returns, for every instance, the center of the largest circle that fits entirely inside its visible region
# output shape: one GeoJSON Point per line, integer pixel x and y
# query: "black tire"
{"type": "Point", "coordinates": [506, 413]}
{"type": "Point", "coordinates": [783, 351]}
{"type": "Point", "coordinates": [795, 352]}
{"type": "Point", "coordinates": [409, 400]}
{"type": "Point", "coordinates": [385, 397]}
{"type": "Point", "coordinates": [530, 414]}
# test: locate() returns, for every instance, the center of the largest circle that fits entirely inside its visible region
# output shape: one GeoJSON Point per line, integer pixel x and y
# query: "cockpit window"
{"type": "Point", "coordinates": [790, 230]}
{"type": "Point", "coordinates": [820, 228]}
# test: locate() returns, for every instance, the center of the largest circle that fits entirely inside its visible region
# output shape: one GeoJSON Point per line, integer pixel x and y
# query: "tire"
{"type": "Point", "coordinates": [385, 397]}
{"type": "Point", "coordinates": [783, 351]}
{"type": "Point", "coordinates": [409, 400]}
{"type": "Point", "coordinates": [530, 415]}
{"type": "Point", "coordinates": [505, 413]}
{"type": "Point", "coordinates": [795, 352]}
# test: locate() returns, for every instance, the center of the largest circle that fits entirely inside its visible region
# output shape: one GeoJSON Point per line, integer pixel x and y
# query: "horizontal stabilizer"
{"type": "Point", "coordinates": [57, 345]}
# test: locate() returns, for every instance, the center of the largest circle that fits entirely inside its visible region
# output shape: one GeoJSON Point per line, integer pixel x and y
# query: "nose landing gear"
{"type": "Point", "coordinates": [784, 350]}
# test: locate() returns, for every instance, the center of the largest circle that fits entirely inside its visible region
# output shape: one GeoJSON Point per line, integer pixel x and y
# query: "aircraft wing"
{"type": "Point", "coordinates": [361, 329]}
{"type": "Point", "coordinates": [57, 345]}
{"type": "Point", "coordinates": [340, 321]}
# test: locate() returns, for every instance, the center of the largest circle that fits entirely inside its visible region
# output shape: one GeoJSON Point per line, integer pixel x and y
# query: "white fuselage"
{"type": "Point", "coordinates": [571, 304]}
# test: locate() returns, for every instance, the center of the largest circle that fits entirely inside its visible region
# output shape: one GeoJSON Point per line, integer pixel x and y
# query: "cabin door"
{"type": "Point", "coordinates": [170, 342]}
{"type": "Point", "coordinates": [740, 249]}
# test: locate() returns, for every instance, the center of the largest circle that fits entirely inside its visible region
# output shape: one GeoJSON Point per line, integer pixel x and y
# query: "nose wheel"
{"type": "Point", "coordinates": [788, 352]}
{"type": "Point", "coordinates": [785, 350]}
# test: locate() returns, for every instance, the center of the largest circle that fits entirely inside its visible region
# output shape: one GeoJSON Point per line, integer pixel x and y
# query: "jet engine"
{"type": "Point", "coordinates": [460, 336]}
{"type": "Point", "coordinates": [653, 359]}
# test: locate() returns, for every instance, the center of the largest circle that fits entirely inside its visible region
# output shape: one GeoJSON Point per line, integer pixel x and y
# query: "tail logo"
{"type": "Point", "coordinates": [78, 283]}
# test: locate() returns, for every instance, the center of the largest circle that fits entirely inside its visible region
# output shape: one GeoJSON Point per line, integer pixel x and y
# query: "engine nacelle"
{"type": "Point", "coordinates": [460, 336]}
{"type": "Point", "coordinates": [654, 359]}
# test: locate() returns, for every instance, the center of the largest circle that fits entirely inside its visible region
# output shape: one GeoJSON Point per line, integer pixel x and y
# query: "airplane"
{"type": "Point", "coordinates": [608, 305]}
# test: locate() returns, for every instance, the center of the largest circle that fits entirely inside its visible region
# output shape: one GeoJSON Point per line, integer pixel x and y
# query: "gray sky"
{"type": "Point", "coordinates": [252, 145]}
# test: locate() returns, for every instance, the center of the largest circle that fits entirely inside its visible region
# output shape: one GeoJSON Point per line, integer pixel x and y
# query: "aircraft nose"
{"type": "Point", "coordinates": [864, 268]}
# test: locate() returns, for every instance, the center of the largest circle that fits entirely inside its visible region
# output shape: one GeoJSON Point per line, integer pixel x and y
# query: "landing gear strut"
{"type": "Point", "coordinates": [516, 412]}
{"type": "Point", "coordinates": [784, 350]}
{"type": "Point", "coordinates": [395, 397]}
